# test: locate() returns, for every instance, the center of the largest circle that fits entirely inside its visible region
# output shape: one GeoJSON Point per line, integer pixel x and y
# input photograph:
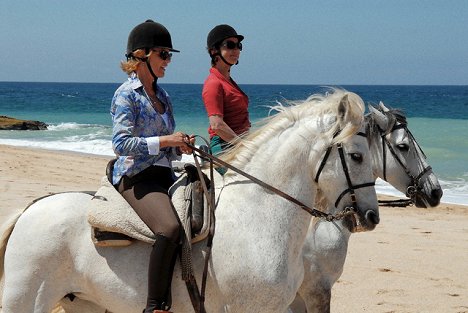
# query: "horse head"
{"type": "Point", "coordinates": [348, 156]}
{"type": "Point", "coordinates": [398, 158]}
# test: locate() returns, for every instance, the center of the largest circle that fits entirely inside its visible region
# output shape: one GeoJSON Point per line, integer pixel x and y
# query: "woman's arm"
{"type": "Point", "coordinates": [221, 128]}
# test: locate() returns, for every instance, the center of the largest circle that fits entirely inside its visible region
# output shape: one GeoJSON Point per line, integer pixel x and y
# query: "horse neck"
{"type": "Point", "coordinates": [283, 161]}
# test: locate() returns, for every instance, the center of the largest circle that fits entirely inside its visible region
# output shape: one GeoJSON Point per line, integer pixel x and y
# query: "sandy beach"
{"type": "Point", "coordinates": [415, 261]}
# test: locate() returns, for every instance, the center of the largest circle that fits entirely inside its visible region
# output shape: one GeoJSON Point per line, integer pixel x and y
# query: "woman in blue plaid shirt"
{"type": "Point", "coordinates": [145, 143]}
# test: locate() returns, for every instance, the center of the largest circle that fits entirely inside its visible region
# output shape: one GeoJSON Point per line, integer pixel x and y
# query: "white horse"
{"type": "Point", "coordinates": [396, 158]}
{"type": "Point", "coordinates": [256, 263]}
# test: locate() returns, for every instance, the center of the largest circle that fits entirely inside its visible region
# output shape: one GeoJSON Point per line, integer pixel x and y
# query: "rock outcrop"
{"type": "Point", "coordinates": [10, 123]}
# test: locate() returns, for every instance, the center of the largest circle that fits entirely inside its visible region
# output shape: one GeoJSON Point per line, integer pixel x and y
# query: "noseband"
{"type": "Point", "coordinates": [351, 187]}
{"type": "Point", "coordinates": [414, 187]}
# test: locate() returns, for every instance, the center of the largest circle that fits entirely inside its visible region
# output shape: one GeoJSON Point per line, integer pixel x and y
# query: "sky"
{"type": "Point", "coordinates": [333, 42]}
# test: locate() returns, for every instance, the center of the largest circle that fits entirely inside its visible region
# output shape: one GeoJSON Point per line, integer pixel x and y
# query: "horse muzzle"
{"type": "Point", "coordinates": [425, 196]}
{"type": "Point", "coordinates": [361, 222]}
{"type": "Point", "coordinates": [428, 201]}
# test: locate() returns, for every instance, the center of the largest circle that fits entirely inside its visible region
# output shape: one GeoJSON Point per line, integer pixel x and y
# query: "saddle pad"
{"type": "Point", "coordinates": [109, 211]}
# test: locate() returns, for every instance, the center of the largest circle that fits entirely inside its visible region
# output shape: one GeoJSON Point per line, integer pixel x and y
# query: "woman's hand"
{"type": "Point", "coordinates": [188, 140]}
{"type": "Point", "coordinates": [178, 140]}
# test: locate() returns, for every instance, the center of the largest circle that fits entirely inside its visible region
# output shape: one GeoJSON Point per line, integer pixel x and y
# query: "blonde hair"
{"type": "Point", "coordinates": [133, 62]}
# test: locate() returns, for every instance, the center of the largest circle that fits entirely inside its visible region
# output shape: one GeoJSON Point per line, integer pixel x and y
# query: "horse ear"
{"type": "Point", "coordinates": [379, 117]}
{"type": "Point", "coordinates": [383, 107]}
{"type": "Point", "coordinates": [343, 107]}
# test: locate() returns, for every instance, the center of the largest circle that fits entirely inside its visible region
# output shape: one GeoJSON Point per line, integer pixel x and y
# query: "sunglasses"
{"type": "Point", "coordinates": [164, 55]}
{"type": "Point", "coordinates": [232, 45]}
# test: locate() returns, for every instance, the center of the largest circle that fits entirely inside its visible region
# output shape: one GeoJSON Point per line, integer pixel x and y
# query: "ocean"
{"type": "Point", "coordinates": [79, 119]}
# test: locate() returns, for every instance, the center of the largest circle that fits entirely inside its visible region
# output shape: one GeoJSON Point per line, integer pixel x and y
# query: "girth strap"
{"type": "Point", "coordinates": [197, 297]}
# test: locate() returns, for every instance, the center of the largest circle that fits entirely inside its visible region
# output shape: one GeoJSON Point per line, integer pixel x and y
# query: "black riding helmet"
{"type": "Point", "coordinates": [216, 37]}
{"type": "Point", "coordinates": [149, 35]}
{"type": "Point", "coordinates": [219, 33]}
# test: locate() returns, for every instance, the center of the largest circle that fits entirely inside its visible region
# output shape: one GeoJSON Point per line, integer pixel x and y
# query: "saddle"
{"type": "Point", "coordinates": [114, 222]}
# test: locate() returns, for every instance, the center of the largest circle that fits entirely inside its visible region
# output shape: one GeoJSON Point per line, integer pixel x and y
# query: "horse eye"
{"type": "Point", "coordinates": [356, 157]}
{"type": "Point", "coordinates": [403, 147]}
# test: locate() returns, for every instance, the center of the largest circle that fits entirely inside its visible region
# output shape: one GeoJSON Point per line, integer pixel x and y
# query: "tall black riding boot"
{"type": "Point", "coordinates": [161, 267]}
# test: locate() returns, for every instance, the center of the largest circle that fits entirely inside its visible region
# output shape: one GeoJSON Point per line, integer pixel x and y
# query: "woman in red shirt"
{"type": "Point", "coordinates": [225, 103]}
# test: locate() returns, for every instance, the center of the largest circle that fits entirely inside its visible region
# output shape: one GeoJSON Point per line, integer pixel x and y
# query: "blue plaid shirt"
{"type": "Point", "coordinates": [134, 119]}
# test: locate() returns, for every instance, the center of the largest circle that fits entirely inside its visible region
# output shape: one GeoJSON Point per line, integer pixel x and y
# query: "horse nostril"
{"type": "Point", "coordinates": [437, 193]}
{"type": "Point", "coordinates": [373, 217]}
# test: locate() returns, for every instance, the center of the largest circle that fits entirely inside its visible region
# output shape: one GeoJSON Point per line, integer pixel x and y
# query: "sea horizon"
{"type": "Point", "coordinates": [247, 84]}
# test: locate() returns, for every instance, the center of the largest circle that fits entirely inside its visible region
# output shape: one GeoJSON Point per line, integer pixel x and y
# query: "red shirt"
{"type": "Point", "coordinates": [224, 98]}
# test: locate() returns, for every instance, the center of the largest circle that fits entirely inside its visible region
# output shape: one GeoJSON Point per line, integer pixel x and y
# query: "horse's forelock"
{"type": "Point", "coordinates": [354, 118]}
{"type": "Point", "coordinates": [399, 116]}
{"type": "Point", "coordinates": [393, 116]}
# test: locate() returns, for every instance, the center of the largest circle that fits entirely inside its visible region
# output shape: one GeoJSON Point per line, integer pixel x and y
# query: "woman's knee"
{"type": "Point", "coordinates": [170, 229]}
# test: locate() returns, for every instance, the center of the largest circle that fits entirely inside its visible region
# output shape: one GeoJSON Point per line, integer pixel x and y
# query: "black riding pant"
{"type": "Point", "coordinates": [147, 193]}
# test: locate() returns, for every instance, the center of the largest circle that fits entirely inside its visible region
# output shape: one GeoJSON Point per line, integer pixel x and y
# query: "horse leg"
{"type": "Point", "coordinates": [324, 256]}
{"type": "Point", "coordinates": [317, 298]}
{"type": "Point", "coordinates": [37, 262]}
{"type": "Point", "coordinates": [39, 297]}
{"type": "Point", "coordinates": [297, 306]}
{"type": "Point", "coordinates": [28, 287]}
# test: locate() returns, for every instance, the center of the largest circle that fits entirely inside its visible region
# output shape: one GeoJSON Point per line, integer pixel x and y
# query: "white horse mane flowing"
{"type": "Point", "coordinates": [256, 263]}
{"type": "Point", "coordinates": [303, 112]}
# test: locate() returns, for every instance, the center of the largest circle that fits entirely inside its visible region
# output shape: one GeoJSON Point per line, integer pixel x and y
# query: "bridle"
{"type": "Point", "coordinates": [413, 189]}
{"type": "Point", "coordinates": [351, 187]}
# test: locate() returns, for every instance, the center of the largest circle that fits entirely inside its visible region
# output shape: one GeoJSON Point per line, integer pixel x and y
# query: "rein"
{"type": "Point", "coordinates": [314, 212]}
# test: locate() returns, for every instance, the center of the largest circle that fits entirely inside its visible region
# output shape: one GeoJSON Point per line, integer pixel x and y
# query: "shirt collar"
{"type": "Point", "coordinates": [218, 74]}
{"type": "Point", "coordinates": [134, 81]}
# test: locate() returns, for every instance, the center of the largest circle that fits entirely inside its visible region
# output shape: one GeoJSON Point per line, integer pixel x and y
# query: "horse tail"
{"type": "Point", "coordinates": [8, 226]}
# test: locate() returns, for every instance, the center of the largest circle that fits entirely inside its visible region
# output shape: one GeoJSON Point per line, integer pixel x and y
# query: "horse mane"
{"type": "Point", "coordinates": [393, 115]}
{"type": "Point", "coordinates": [325, 106]}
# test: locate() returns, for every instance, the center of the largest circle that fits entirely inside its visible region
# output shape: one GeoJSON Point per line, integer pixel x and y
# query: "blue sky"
{"type": "Point", "coordinates": [286, 42]}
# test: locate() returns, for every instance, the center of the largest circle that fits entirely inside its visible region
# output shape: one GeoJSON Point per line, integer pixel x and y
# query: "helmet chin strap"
{"type": "Point", "coordinates": [148, 65]}
{"type": "Point", "coordinates": [155, 78]}
{"type": "Point", "coordinates": [224, 60]}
